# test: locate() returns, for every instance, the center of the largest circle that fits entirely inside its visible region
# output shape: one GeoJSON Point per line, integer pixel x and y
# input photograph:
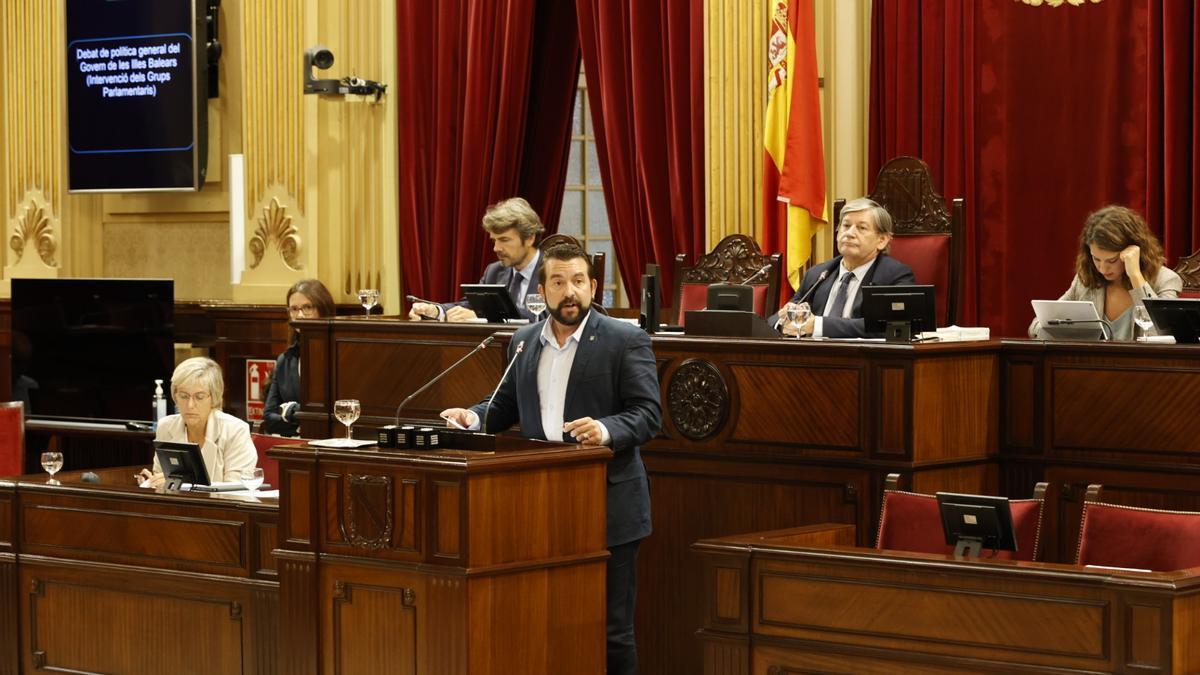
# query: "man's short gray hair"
{"type": "Point", "coordinates": [879, 215]}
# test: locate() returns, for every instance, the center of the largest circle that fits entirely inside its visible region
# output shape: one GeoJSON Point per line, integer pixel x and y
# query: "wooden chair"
{"type": "Point", "coordinates": [735, 259]}
{"type": "Point", "coordinates": [911, 521]}
{"type": "Point", "coordinates": [270, 467]}
{"type": "Point", "coordinates": [1189, 269]}
{"type": "Point", "coordinates": [12, 438]}
{"type": "Point", "coordinates": [928, 237]}
{"type": "Point", "coordinates": [597, 262]}
{"type": "Point", "coordinates": [1113, 535]}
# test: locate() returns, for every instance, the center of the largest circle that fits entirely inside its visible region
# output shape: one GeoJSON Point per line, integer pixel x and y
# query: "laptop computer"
{"type": "Point", "coordinates": [1068, 320]}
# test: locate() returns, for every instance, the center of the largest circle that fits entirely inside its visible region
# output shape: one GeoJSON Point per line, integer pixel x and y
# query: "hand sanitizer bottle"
{"type": "Point", "coordinates": [160, 402]}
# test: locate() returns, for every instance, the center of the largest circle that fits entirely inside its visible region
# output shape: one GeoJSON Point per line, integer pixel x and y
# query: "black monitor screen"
{"type": "Point", "coordinates": [92, 347]}
{"type": "Point", "coordinates": [1179, 317]}
{"type": "Point", "coordinates": [137, 95]}
{"type": "Point", "coordinates": [911, 304]}
{"type": "Point", "coordinates": [491, 301]}
{"type": "Point", "coordinates": [983, 518]}
{"type": "Point", "coordinates": [181, 463]}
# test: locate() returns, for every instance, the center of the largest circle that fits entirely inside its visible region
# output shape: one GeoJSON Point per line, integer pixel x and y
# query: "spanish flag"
{"type": "Point", "coordinates": [794, 167]}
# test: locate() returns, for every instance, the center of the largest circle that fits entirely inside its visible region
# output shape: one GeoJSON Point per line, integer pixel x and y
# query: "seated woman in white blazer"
{"type": "Point", "coordinates": [197, 389]}
{"type": "Point", "coordinates": [1119, 265]}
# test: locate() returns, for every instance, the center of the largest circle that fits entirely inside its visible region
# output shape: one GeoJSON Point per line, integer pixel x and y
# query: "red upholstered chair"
{"type": "Point", "coordinates": [597, 262]}
{"type": "Point", "coordinates": [910, 521]}
{"type": "Point", "coordinates": [270, 467]}
{"type": "Point", "coordinates": [929, 237]}
{"type": "Point", "coordinates": [1189, 268]}
{"type": "Point", "coordinates": [12, 438]}
{"type": "Point", "coordinates": [735, 259]}
{"type": "Point", "coordinates": [1113, 535]}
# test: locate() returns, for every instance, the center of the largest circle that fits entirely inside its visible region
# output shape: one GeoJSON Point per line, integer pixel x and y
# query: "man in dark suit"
{"type": "Point", "coordinates": [832, 288]}
{"type": "Point", "coordinates": [585, 376]}
{"type": "Point", "coordinates": [513, 226]}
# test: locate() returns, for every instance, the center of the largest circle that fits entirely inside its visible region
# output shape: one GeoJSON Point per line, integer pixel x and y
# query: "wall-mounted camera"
{"type": "Point", "coordinates": [321, 57]}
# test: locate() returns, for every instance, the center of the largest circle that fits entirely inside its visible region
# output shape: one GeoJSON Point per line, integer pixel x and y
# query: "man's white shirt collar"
{"type": "Point", "coordinates": [547, 334]}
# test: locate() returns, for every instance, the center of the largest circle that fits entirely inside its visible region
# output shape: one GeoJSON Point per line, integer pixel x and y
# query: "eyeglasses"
{"type": "Point", "coordinates": [183, 398]}
{"type": "Point", "coordinates": [301, 310]}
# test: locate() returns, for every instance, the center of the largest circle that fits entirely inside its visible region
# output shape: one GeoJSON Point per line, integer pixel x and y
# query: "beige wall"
{"type": "Point", "coordinates": [319, 179]}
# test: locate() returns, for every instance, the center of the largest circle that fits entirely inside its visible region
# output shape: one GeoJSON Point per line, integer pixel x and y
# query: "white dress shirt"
{"type": "Point", "coordinates": [859, 273]}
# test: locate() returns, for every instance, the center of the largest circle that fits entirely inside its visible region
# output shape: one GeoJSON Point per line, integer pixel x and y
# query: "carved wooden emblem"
{"type": "Point", "coordinates": [1189, 268]}
{"type": "Point", "coordinates": [735, 258]}
{"type": "Point", "coordinates": [905, 189]}
{"type": "Point", "coordinates": [368, 517]}
{"type": "Point", "coordinates": [698, 399]}
{"type": "Point", "coordinates": [275, 226]}
{"type": "Point", "coordinates": [34, 226]}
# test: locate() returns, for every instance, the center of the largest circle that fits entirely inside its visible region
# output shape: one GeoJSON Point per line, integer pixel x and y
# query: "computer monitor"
{"type": "Point", "coordinates": [651, 298]}
{"type": "Point", "coordinates": [735, 297]}
{"type": "Point", "coordinates": [973, 522]}
{"type": "Point", "coordinates": [491, 301]}
{"type": "Point", "coordinates": [181, 463]}
{"type": "Point", "coordinates": [898, 312]}
{"type": "Point", "coordinates": [1176, 316]}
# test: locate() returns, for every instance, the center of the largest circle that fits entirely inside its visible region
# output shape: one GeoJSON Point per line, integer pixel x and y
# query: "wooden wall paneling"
{"type": "Point", "coordinates": [316, 378]}
{"type": "Point", "coordinates": [955, 407]}
{"type": "Point", "coordinates": [1021, 393]}
{"type": "Point", "coordinates": [10, 597]}
{"type": "Point", "coordinates": [299, 613]}
{"type": "Point", "coordinates": [890, 415]}
{"type": "Point", "coordinates": [246, 333]}
{"type": "Point", "coordinates": [355, 602]}
{"type": "Point", "coordinates": [783, 403]}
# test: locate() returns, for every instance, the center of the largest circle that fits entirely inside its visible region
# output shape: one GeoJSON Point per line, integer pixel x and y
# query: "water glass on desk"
{"type": "Point", "coordinates": [1141, 318]}
{"type": "Point", "coordinates": [536, 304]}
{"type": "Point", "coordinates": [346, 411]}
{"type": "Point", "coordinates": [252, 479]}
{"type": "Point", "coordinates": [795, 315]}
{"type": "Point", "coordinates": [368, 298]}
{"type": "Point", "coordinates": [52, 462]}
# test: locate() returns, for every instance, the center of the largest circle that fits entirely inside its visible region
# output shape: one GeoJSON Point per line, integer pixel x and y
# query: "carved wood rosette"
{"type": "Point", "coordinates": [274, 228]}
{"type": "Point", "coordinates": [698, 399]}
{"type": "Point", "coordinates": [367, 521]}
{"type": "Point", "coordinates": [33, 230]}
{"type": "Point", "coordinates": [737, 257]}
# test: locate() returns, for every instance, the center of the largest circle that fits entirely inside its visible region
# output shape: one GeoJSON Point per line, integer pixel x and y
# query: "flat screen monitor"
{"type": "Point", "coordinates": [491, 301]}
{"type": "Point", "coordinates": [973, 522]}
{"type": "Point", "coordinates": [909, 305]}
{"type": "Point", "coordinates": [91, 348]}
{"type": "Point", "coordinates": [137, 95]}
{"type": "Point", "coordinates": [181, 463]}
{"type": "Point", "coordinates": [1176, 316]}
{"type": "Point", "coordinates": [736, 297]}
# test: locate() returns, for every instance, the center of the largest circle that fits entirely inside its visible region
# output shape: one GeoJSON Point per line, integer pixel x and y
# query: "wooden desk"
{"type": "Point", "coordinates": [777, 604]}
{"type": "Point", "coordinates": [456, 561]}
{"type": "Point", "coordinates": [108, 577]}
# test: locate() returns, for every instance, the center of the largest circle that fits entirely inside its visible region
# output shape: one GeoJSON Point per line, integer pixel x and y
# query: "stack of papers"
{"type": "Point", "coordinates": [341, 443]}
{"type": "Point", "coordinates": [959, 334]}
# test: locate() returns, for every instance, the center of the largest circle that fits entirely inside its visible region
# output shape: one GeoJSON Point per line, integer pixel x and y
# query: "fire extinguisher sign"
{"type": "Point", "coordinates": [258, 380]}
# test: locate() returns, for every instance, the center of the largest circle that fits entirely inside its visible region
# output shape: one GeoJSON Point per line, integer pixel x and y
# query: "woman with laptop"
{"type": "Point", "coordinates": [306, 299]}
{"type": "Point", "coordinates": [1119, 265]}
{"type": "Point", "coordinates": [197, 389]}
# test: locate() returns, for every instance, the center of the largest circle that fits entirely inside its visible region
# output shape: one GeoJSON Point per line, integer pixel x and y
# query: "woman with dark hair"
{"type": "Point", "coordinates": [306, 299]}
{"type": "Point", "coordinates": [1119, 265]}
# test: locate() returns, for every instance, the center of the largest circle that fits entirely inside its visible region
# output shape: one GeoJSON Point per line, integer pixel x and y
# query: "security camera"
{"type": "Point", "coordinates": [322, 58]}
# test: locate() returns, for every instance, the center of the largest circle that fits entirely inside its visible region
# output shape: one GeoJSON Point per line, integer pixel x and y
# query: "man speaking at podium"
{"type": "Point", "coordinates": [586, 377]}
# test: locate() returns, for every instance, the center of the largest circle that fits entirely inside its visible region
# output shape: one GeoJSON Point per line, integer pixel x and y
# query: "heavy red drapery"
{"type": "Point", "coordinates": [644, 65]}
{"type": "Point", "coordinates": [484, 112]}
{"type": "Point", "coordinates": [1037, 116]}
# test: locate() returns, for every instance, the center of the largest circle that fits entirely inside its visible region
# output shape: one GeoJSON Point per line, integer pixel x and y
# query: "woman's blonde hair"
{"type": "Point", "coordinates": [200, 370]}
{"type": "Point", "coordinates": [1113, 228]}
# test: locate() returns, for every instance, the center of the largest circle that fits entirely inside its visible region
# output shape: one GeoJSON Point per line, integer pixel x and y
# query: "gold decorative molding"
{"type": "Point", "coordinates": [275, 227]}
{"type": "Point", "coordinates": [34, 225]}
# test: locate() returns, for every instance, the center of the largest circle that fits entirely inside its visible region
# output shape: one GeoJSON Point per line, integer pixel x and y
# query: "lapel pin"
{"type": "Point", "coordinates": [591, 338]}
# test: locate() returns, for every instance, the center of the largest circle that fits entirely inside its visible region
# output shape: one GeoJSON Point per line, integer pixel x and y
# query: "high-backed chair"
{"type": "Point", "coordinates": [911, 521]}
{"type": "Point", "coordinates": [12, 438]}
{"type": "Point", "coordinates": [597, 261]}
{"type": "Point", "coordinates": [929, 237]}
{"type": "Point", "coordinates": [1188, 268]}
{"type": "Point", "coordinates": [735, 259]}
{"type": "Point", "coordinates": [1113, 535]}
{"type": "Point", "coordinates": [270, 467]}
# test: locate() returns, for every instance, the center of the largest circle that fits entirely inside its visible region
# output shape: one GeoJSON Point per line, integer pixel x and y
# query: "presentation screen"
{"type": "Point", "coordinates": [137, 91]}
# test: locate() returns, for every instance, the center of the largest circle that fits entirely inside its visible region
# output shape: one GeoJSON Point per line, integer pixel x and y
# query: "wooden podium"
{"type": "Point", "coordinates": [450, 561]}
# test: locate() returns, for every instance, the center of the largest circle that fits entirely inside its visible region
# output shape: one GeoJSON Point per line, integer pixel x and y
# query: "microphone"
{"type": "Point", "coordinates": [488, 408]}
{"type": "Point", "coordinates": [412, 300]}
{"type": "Point", "coordinates": [812, 289]}
{"type": "Point", "coordinates": [761, 271]}
{"type": "Point", "coordinates": [482, 345]}
{"type": "Point", "coordinates": [1105, 329]}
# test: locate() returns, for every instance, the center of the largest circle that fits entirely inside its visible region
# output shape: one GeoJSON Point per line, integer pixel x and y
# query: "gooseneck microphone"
{"type": "Point", "coordinates": [812, 289]}
{"type": "Point", "coordinates": [482, 345]}
{"type": "Point", "coordinates": [761, 271]}
{"type": "Point", "coordinates": [511, 362]}
{"type": "Point", "coordinates": [414, 299]}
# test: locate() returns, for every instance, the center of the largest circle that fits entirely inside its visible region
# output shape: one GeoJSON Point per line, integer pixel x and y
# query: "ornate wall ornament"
{"type": "Point", "coordinates": [34, 226]}
{"type": "Point", "coordinates": [368, 517]}
{"type": "Point", "coordinates": [735, 258]}
{"type": "Point", "coordinates": [275, 227]}
{"type": "Point", "coordinates": [698, 399]}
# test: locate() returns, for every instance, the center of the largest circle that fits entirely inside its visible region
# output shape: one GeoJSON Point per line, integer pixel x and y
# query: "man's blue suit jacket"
{"type": "Point", "coordinates": [614, 379]}
{"type": "Point", "coordinates": [887, 271]}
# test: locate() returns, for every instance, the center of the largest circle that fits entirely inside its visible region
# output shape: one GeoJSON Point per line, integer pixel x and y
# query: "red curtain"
{"type": "Point", "coordinates": [484, 114]}
{"type": "Point", "coordinates": [1059, 111]}
{"type": "Point", "coordinates": [644, 64]}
